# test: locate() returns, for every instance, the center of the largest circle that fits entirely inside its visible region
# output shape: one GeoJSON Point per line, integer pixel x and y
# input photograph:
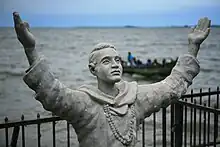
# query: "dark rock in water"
{"type": "Point", "coordinates": [215, 26]}
{"type": "Point", "coordinates": [128, 26]}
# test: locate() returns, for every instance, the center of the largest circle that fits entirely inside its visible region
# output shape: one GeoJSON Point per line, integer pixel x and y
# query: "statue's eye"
{"type": "Point", "coordinates": [106, 61]}
{"type": "Point", "coordinates": [117, 59]}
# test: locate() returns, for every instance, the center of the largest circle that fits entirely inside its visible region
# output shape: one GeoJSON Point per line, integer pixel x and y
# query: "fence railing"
{"type": "Point", "coordinates": [200, 114]}
{"type": "Point", "coordinates": [23, 123]}
{"type": "Point", "coordinates": [191, 121]}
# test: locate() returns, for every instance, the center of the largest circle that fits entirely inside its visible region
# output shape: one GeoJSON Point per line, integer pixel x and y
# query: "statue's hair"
{"type": "Point", "coordinates": [98, 47]}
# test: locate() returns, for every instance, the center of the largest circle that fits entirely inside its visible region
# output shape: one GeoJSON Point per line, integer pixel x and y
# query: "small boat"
{"type": "Point", "coordinates": [161, 70]}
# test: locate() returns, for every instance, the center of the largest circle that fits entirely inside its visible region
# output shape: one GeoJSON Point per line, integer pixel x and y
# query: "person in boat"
{"type": "Point", "coordinates": [134, 61]}
{"type": "Point", "coordinates": [149, 63]}
{"type": "Point", "coordinates": [131, 59]}
{"type": "Point", "coordinates": [139, 62]}
{"type": "Point", "coordinates": [107, 115]}
{"type": "Point", "coordinates": [155, 63]}
{"type": "Point", "coordinates": [164, 62]}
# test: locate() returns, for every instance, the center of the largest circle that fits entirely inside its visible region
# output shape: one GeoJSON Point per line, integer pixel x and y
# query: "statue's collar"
{"type": "Point", "coordinates": [127, 95]}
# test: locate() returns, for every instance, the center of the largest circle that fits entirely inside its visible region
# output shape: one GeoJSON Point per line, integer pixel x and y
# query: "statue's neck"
{"type": "Point", "coordinates": [108, 88]}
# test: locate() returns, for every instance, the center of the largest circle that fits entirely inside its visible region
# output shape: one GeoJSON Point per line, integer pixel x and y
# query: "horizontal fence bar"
{"type": "Point", "coordinates": [29, 122]}
{"type": "Point", "coordinates": [208, 144]}
{"type": "Point", "coordinates": [200, 94]}
{"type": "Point", "coordinates": [197, 106]}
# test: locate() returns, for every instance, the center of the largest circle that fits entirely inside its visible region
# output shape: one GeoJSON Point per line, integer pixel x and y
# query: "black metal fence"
{"type": "Point", "coordinates": [191, 121]}
{"type": "Point", "coordinates": [200, 114]}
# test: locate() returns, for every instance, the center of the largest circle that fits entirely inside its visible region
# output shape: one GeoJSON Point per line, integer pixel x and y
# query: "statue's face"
{"type": "Point", "coordinates": [108, 67]}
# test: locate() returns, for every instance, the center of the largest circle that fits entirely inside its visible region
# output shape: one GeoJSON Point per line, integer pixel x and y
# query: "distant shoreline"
{"type": "Point", "coordinates": [184, 26]}
{"type": "Point", "coordinates": [126, 26]}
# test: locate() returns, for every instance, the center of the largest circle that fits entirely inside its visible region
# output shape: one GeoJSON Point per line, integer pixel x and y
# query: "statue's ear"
{"type": "Point", "coordinates": [92, 68]}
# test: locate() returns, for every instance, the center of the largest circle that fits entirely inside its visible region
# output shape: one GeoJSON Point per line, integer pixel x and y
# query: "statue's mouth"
{"type": "Point", "coordinates": [116, 72]}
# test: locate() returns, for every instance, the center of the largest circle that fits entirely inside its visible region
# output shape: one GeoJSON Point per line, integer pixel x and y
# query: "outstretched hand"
{"type": "Point", "coordinates": [24, 35]}
{"type": "Point", "coordinates": [200, 32]}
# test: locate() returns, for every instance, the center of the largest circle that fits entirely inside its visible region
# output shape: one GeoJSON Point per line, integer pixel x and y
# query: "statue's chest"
{"type": "Point", "coordinates": [123, 127]}
{"type": "Point", "coordinates": [116, 129]}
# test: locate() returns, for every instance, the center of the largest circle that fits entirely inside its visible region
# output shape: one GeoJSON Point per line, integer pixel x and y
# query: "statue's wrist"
{"type": "Point", "coordinates": [193, 49]}
{"type": "Point", "coordinates": [194, 45]}
{"type": "Point", "coordinates": [31, 54]}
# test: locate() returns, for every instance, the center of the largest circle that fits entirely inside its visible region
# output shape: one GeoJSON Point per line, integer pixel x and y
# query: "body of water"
{"type": "Point", "coordinates": [67, 52]}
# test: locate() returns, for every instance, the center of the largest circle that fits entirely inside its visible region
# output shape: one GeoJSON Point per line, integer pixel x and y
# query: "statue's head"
{"type": "Point", "coordinates": [105, 63]}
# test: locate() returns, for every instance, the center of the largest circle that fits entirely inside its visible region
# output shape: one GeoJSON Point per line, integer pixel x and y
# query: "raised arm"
{"type": "Point", "coordinates": [26, 38]}
{"type": "Point", "coordinates": [54, 96]}
{"type": "Point", "coordinates": [154, 96]}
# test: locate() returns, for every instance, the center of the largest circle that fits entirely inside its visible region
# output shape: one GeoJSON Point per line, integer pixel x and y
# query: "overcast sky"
{"type": "Point", "coordinates": [110, 12]}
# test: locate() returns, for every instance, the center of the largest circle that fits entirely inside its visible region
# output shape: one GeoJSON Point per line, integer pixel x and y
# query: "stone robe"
{"type": "Point", "coordinates": [83, 107]}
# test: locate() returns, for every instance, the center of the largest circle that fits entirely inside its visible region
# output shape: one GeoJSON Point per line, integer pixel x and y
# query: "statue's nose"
{"type": "Point", "coordinates": [115, 64]}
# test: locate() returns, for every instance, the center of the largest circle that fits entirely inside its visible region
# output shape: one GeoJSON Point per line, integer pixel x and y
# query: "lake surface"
{"type": "Point", "coordinates": [67, 52]}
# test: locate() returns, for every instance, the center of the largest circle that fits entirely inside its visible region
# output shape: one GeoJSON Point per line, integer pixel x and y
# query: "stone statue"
{"type": "Point", "coordinates": [108, 115]}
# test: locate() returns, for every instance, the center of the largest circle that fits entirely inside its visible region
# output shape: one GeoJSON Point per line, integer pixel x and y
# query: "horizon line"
{"type": "Point", "coordinates": [123, 26]}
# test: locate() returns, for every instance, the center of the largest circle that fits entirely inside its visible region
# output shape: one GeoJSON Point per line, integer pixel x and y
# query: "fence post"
{"type": "Point", "coordinates": [164, 127]}
{"type": "Point", "coordinates": [143, 133]}
{"type": "Point", "coordinates": [14, 137]}
{"type": "Point", "coordinates": [178, 125]}
{"type": "Point", "coordinates": [215, 128]}
{"type": "Point", "coordinates": [172, 125]}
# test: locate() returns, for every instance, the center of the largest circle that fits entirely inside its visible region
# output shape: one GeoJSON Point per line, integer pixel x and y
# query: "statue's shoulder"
{"type": "Point", "coordinates": [79, 92]}
{"type": "Point", "coordinates": [87, 89]}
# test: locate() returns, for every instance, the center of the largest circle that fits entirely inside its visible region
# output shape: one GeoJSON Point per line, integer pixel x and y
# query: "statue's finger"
{"type": "Point", "coordinates": [192, 30]}
{"type": "Point", "coordinates": [206, 23]}
{"type": "Point", "coordinates": [22, 26]}
{"type": "Point", "coordinates": [210, 23]}
{"type": "Point", "coordinates": [207, 32]}
{"type": "Point", "coordinates": [17, 18]}
{"type": "Point", "coordinates": [199, 25]}
{"type": "Point", "coordinates": [203, 23]}
{"type": "Point", "coordinates": [21, 30]}
{"type": "Point", "coordinates": [26, 25]}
